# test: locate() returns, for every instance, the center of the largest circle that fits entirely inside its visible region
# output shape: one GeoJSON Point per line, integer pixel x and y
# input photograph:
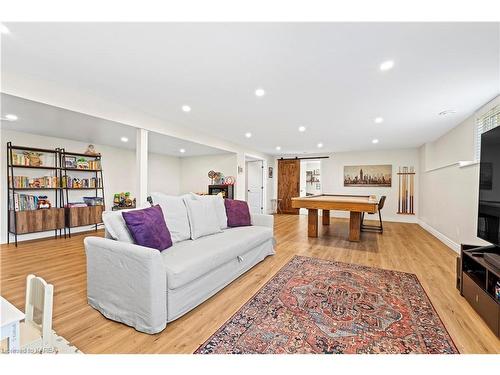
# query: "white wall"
{"type": "Point", "coordinates": [118, 165]}
{"type": "Point", "coordinates": [449, 193]}
{"type": "Point", "coordinates": [194, 171]}
{"type": "Point", "coordinates": [164, 174]}
{"type": "Point", "coordinates": [332, 178]}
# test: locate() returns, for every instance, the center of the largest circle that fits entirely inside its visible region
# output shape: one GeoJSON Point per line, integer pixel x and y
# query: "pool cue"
{"type": "Point", "coordinates": [405, 171]}
{"type": "Point", "coordinates": [399, 190]}
{"type": "Point", "coordinates": [412, 189]}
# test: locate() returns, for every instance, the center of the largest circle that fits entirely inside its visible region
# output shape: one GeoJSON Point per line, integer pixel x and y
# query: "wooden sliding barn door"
{"type": "Point", "coordinates": [288, 185]}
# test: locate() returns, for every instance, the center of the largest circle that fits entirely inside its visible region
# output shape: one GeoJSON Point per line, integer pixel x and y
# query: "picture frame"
{"type": "Point", "coordinates": [368, 175]}
{"type": "Point", "coordinates": [70, 162]}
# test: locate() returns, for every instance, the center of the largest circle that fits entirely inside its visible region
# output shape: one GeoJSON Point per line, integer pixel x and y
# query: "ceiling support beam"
{"type": "Point", "coordinates": [141, 155]}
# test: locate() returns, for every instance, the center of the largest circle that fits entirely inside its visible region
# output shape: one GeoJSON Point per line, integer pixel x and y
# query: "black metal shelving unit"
{"type": "Point", "coordinates": [12, 214]}
{"type": "Point", "coordinates": [97, 173]}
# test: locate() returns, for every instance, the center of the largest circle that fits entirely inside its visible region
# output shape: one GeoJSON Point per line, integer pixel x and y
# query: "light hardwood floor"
{"type": "Point", "coordinates": [402, 247]}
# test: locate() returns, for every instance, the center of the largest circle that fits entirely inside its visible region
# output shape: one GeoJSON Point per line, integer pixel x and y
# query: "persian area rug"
{"type": "Point", "coordinates": [318, 306]}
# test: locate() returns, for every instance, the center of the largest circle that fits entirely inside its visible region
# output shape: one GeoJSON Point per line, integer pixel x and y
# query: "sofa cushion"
{"type": "Point", "coordinates": [116, 227]}
{"type": "Point", "coordinates": [175, 213]}
{"type": "Point", "coordinates": [188, 260]}
{"type": "Point", "coordinates": [238, 213]}
{"type": "Point", "coordinates": [202, 217]}
{"type": "Point", "coordinates": [148, 228]}
{"type": "Point", "coordinates": [220, 208]}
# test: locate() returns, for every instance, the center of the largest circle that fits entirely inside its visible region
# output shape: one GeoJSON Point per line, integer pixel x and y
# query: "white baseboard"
{"type": "Point", "coordinates": [440, 236]}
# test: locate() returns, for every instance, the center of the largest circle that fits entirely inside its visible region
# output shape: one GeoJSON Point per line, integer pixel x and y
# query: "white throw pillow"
{"type": "Point", "coordinates": [202, 217]}
{"type": "Point", "coordinates": [175, 214]}
{"type": "Point", "coordinates": [220, 208]}
{"type": "Point", "coordinates": [116, 226]}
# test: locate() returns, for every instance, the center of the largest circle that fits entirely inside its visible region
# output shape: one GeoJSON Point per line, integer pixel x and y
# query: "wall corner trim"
{"type": "Point", "coordinates": [440, 236]}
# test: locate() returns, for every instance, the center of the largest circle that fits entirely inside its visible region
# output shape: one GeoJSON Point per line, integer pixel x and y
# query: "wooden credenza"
{"type": "Point", "coordinates": [78, 216]}
{"type": "Point", "coordinates": [36, 220]}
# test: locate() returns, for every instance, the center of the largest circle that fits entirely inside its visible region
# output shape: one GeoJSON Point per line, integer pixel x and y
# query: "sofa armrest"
{"type": "Point", "coordinates": [127, 283]}
{"type": "Point", "coordinates": [262, 220]}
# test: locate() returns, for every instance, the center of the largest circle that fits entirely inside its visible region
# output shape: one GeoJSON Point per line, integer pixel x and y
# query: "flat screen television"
{"type": "Point", "coordinates": [488, 223]}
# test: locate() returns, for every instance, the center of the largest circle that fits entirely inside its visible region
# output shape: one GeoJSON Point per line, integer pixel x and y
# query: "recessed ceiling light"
{"type": "Point", "coordinates": [4, 29]}
{"type": "Point", "coordinates": [302, 129]}
{"type": "Point", "coordinates": [186, 108]}
{"type": "Point", "coordinates": [387, 65]}
{"type": "Point", "coordinates": [182, 150]}
{"type": "Point", "coordinates": [278, 148]}
{"type": "Point", "coordinates": [378, 120]}
{"type": "Point", "coordinates": [11, 117]}
{"type": "Point", "coordinates": [124, 139]}
{"type": "Point", "coordinates": [320, 145]}
{"type": "Point", "coordinates": [248, 135]}
{"type": "Point", "coordinates": [374, 141]}
{"type": "Point", "coordinates": [447, 112]}
{"type": "Point", "coordinates": [260, 92]}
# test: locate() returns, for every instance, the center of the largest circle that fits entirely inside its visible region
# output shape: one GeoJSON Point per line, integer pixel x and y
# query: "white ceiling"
{"type": "Point", "coordinates": [321, 75]}
{"type": "Point", "coordinates": [47, 120]}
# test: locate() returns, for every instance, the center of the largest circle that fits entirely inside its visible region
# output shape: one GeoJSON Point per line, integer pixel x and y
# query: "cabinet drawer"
{"type": "Point", "coordinates": [78, 216]}
{"type": "Point", "coordinates": [484, 305]}
{"type": "Point", "coordinates": [36, 220]}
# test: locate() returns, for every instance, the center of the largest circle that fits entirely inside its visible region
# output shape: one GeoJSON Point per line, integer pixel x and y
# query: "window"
{"type": "Point", "coordinates": [485, 122]}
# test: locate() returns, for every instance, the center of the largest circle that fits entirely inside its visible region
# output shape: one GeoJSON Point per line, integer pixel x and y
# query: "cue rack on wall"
{"type": "Point", "coordinates": [406, 191]}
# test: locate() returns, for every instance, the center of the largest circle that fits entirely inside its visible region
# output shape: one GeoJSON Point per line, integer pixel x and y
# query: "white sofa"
{"type": "Point", "coordinates": [146, 289]}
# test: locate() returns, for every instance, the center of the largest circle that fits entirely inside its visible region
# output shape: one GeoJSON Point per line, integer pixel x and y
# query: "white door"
{"type": "Point", "coordinates": [255, 186]}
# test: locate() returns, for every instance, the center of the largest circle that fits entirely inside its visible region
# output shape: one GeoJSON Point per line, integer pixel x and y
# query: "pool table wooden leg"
{"type": "Point", "coordinates": [326, 217]}
{"type": "Point", "coordinates": [355, 226]}
{"type": "Point", "coordinates": [312, 227]}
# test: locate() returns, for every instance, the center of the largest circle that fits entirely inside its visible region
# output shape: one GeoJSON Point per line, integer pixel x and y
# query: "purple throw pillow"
{"type": "Point", "coordinates": [148, 228]}
{"type": "Point", "coordinates": [238, 214]}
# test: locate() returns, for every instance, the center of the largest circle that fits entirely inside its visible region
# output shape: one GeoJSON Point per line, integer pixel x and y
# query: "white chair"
{"type": "Point", "coordinates": [36, 330]}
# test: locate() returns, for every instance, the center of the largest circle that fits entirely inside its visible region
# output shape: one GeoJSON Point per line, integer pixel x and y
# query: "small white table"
{"type": "Point", "coordinates": [10, 317]}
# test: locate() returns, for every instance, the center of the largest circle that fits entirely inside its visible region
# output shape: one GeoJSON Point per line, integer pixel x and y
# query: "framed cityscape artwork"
{"type": "Point", "coordinates": [368, 175]}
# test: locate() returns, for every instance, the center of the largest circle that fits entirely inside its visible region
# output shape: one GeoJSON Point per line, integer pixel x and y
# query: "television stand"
{"type": "Point", "coordinates": [477, 283]}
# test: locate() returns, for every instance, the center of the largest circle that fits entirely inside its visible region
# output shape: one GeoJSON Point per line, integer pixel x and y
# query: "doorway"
{"type": "Point", "coordinates": [288, 185]}
{"type": "Point", "coordinates": [255, 185]}
{"type": "Point", "coordinates": [310, 179]}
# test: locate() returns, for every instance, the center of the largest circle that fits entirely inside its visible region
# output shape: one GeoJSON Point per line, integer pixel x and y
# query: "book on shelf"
{"type": "Point", "coordinates": [80, 183]}
{"type": "Point", "coordinates": [19, 159]}
{"type": "Point", "coordinates": [23, 202]}
{"type": "Point", "coordinates": [75, 204]}
{"type": "Point", "coordinates": [33, 182]}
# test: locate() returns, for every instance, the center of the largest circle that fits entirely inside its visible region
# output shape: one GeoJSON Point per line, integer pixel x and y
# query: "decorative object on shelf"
{"type": "Point", "coordinates": [368, 175]}
{"type": "Point", "coordinates": [211, 175]}
{"type": "Point", "coordinates": [91, 151]}
{"type": "Point", "coordinates": [123, 200]}
{"type": "Point", "coordinates": [218, 178]}
{"type": "Point", "coordinates": [229, 180]}
{"type": "Point", "coordinates": [82, 163]}
{"type": "Point", "coordinates": [270, 172]}
{"type": "Point", "coordinates": [34, 158]}
{"type": "Point", "coordinates": [406, 191]}
{"type": "Point", "coordinates": [43, 202]}
{"type": "Point", "coordinates": [93, 201]}
{"type": "Point", "coordinates": [70, 162]}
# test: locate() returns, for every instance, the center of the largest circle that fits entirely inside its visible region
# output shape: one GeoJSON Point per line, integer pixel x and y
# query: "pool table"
{"type": "Point", "coordinates": [355, 204]}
